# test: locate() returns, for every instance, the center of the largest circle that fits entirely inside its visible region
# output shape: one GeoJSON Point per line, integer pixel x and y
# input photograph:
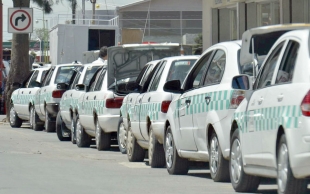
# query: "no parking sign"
{"type": "Point", "coordinates": [20, 20]}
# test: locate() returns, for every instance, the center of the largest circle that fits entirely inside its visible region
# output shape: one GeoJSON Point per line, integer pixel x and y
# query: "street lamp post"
{"type": "Point", "coordinates": [40, 49]}
{"type": "Point", "coordinates": [43, 32]}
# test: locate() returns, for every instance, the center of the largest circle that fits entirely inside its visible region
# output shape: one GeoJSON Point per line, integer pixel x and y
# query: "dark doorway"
{"type": "Point", "coordinates": [98, 38]}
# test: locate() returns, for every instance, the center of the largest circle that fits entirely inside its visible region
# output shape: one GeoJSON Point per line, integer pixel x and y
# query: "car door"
{"type": "Point", "coordinates": [257, 110]}
{"type": "Point", "coordinates": [284, 99]}
{"type": "Point", "coordinates": [42, 92]}
{"type": "Point", "coordinates": [19, 99]}
{"type": "Point", "coordinates": [186, 104]}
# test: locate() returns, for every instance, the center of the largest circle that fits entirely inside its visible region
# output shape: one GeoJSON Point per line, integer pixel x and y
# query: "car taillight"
{"type": "Point", "coordinates": [305, 105]}
{"type": "Point", "coordinates": [236, 99]}
{"type": "Point", "coordinates": [165, 106]}
{"type": "Point", "coordinates": [114, 102]}
{"type": "Point", "coordinates": [58, 93]}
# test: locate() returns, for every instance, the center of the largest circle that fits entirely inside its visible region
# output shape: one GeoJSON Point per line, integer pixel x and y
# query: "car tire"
{"type": "Point", "coordinates": [103, 140]}
{"type": "Point", "coordinates": [121, 136]}
{"type": "Point", "coordinates": [240, 181]}
{"type": "Point", "coordinates": [156, 153]}
{"type": "Point", "coordinates": [60, 127]}
{"type": "Point", "coordinates": [73, 127]}
{"type": "Point", "coordinates": [175, 164]}
{"type": "Point", "coordinates": [287, 183]}
{"type": "Point", "coordinates": [15, 121]}
{"type": "Point", "coordinates": [135, 152]}
{"type": "Point", "coordinates": [219, 167]}
{"type": "Point", "coordinates": [50, 126]}
{"type": "Point", "coordinates": [37, 124]}
{"type": "Point", "coordinates": [82, 138]}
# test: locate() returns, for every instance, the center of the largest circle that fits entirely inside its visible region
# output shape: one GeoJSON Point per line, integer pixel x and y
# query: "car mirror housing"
{"type": "Point", "coordinates": [16, 85]}
{"type": "Point", "coordinates": [62, 86]}
{"type": "Point", "coordinates": [242, 82]}
{"type": "Point", "coordinates": [37, 84]}
{"type": "Point", "coordinates": [80, 87]}
{"type": "Point", "coordinates": [173, 86]}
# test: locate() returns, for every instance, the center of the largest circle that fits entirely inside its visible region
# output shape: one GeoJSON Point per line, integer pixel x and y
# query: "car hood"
{"type": "Point", "coordinates": [126, 61]}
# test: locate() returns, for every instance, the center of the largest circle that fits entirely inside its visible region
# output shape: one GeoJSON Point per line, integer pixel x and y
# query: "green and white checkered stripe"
{"type": "Point", "coordinates": [23, 99]}
{"type": "Point", "coordinates": [150, 110]}
{"type": "Point", "coordinates": [220, 100]}
{"type": "Point", "coordinates": [47, 96]}
{"type": "Point", "coordinates": [124, 109]}
{"type": "Point", "coordinates": [97, 105]}
{"type": "Point", "coordinates": [272, 118]}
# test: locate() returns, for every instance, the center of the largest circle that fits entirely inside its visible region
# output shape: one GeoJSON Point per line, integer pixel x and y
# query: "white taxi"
{"type": "Point", "coordinates": [22, 99]}
{"type": "Point", "coordinates": [270, 133]}
{"type": "Point", "coordinates": [65, 123]}
{"type": "Point", "coordinates": [148, 118]}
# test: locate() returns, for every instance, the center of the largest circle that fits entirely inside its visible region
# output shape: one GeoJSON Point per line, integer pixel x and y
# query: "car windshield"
{"type": "Point", "coordinates": [179, 69]}
{"type": "Point", "coordinates": [64, 74]}
{"type": "Point", "coordinates": [91, 70]}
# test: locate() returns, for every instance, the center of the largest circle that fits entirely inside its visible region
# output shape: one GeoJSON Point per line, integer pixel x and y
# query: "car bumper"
{"type": "Point", "coordinates": [52, 109]}
{"type": "Point", "coordinates": [159, 131]}
{"type": "Point", "coordinates": [108, 123]}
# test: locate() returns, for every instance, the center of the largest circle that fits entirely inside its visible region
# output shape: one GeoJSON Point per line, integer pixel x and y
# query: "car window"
{"type": "Point", "coordinates": [142, 72]}
{"type": "Point", "coordinates": [75, 81]}
{"type": "Point", "coordinates": [195, 78]}
{"type": "Point", "coordinates": [27, 80]}
{"type": "Point", "coordinates": [91, 70]}
{"type": "Point", "coordinates": [148, 80]}
{"type": "Point", "coordinates": [99, 82]}
{"type": "Point", "coordinates": [64, 74]}
{"type": "Point", "coordinates": [156, 80]}
{"type": "Point", "coordinates": [216, 68]}
{"type": "Point", "coordinates": [147, 74]}
{"type": "Point", "coordinates": [48, 77]}
{"type": "Point", "coordinates": [44, 73]}
{"type": "Point", "coordinates": [93, 79]}
{"type": "Point", "coordinates": [179, 69]}
{"type": "Point", "coordinates": [32, 83]}
{"type": "Point", "coordinates": [286, 70]}
{"type": "Point", "coordinates": [268, 69]}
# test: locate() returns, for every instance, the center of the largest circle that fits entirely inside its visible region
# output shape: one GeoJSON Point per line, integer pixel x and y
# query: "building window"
{"type": "Point", "coordinates": [268, 13]}
{"type": "Point", "coordinates": [233, 24]}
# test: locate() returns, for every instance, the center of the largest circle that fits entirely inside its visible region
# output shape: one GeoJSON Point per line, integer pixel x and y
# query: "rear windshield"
{"type": "Point", "coordinates": [91, 70]}
{"type": "Point", "coordinates": [64, 74]}
{"type": "Point", "coordinates": [179, 69]}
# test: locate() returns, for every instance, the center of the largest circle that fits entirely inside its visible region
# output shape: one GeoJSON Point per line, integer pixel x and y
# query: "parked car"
{"type": "Point", "coordinates": [48, 97]}
{"type": "Point", "coordinates": [22, 99]}
{"type": "Point", "coordinates": [65, 125]}
{"type": "Point", "coordinates": [270, 130]}
{"type": "Point", "coordinates": [147, 123]}
{"type": "Point", "coordinates": [98, 109]}
{"type": "Point", "coordinates": [143, 81]}
{"type": "Point", "coordinates": [197, 124]}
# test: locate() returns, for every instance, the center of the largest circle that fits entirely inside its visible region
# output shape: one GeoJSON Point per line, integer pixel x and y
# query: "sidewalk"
{"type": "Point", "coordinates": [2, 118]}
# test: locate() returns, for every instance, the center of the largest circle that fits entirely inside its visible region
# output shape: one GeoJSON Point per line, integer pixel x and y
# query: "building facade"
{"type": "Point", "coordinates": [225, 20]}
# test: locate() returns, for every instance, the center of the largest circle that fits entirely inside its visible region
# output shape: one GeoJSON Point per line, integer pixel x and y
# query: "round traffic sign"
{"type": "Point", "coordinates": [17, 18]}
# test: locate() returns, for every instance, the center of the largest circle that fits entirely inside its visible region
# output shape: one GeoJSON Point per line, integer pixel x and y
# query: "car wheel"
{"type": "Point", "coordinates": [240, 181]}
{"type": "Point", "coordinates": [37, 124]}
{"type": "Point", "coordinates": [60, 128]}
{"type": "Point", "coordinates": [219, 167]}
{"type": "Point", "coordinates": [135, 152]}
{"type": "Point", "coordinates": [287, 183]}
{"type": "Point", "coordinates": [121, 136]}
{"type": "Point", "coordinates": [50, 126]}
{"type": "Point", "coordinates": [82, 138]}
{"type": "Point", "coordinates": [103, 140]}
{"type": "Point", "coordinates": [175, 164]}
{"type": "Point", "coordinates": [155, 152]}
{"type": "Point", "coordinates": [15, 121]}
{"type": "Point", "coordinates": [73, 126]}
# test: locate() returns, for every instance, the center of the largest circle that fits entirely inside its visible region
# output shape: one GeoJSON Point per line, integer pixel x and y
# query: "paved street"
{"type": "Point", "coordinates": [37, 162]}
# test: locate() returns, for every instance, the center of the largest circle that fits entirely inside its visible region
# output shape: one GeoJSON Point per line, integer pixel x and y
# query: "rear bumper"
{"type": "Point", "coordinates": [108, 123]}
{"type": "Point", "coordinates": [52, 109]}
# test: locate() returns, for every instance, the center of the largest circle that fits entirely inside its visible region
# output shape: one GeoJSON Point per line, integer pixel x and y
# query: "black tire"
{"type": "Point", "coordinates": [156, 153]}
{"type": "Point", "coordinates": [15, 121]}
{"type": "Point", "coordinates": [175, 164]}
{"type": "Point", "coordinates": [292, 185]}
{"type": "Point", "coordinates": [245, 182]}
{"type": "Point", "coordinates": [37, 124]}
{"type": "Point", "coordinates": [121, 136]}
{"type": "Point", "coordinates": [73, 127]}
{"type": "Point", "coordinates": [50, 126]}
{"type": "Point", "coordinates": [82, 138]}
{"type": "Point", "coordinates": [219, 167]}
{"type": "Point", "coordinates": [60, 127]}
{"type": "Point", "coordinates": [103, 140]}
{"type": "Point", "coordinates": [135, 152]}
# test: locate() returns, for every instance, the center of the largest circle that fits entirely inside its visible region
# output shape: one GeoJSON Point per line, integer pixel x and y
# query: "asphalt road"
{"type": "Point", "coordinates": [37, 162]}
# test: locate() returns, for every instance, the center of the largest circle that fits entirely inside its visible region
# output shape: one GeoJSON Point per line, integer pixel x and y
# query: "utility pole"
{"type": "Point", "coordinates": [83, 10]}
{"type": "Point", "coordinates": [1, 47]}
{"type": "Point", "coordinates": [94, 11]}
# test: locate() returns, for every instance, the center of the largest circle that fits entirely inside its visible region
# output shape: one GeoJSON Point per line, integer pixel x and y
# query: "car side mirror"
{"type": "Point", "coordinates": [16, 85]}
{"type": "Point", "coordinates": [242, 82]}
{"type": "Point", "coordinates": [37, 84]}
{"type": "Point", "coordinates": [62, 86]}
{"type": "Point", "coordinates": [80, 87]}
{"type": "Point", "coordinates": [173, 86]}
{"type": "Point", "coordinates": [133, 87]}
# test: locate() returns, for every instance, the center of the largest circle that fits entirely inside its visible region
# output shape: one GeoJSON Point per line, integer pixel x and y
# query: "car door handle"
{"type": "Point", "coordinates": [208, 99]}
{"type": "Point", "coordinates": [188, 102]}
{"type": "Point", "coordinates": [95, 97]}
{"type": "Point", "coordinates": [260, 101]}
{"type": "Point", "coordinates": [22, 92]}
{"type": "Point", "coordinates": [140, 100]}
{"type": "Point", "coordinates": [71, 95]}
{"type": "Point", "coordinates": [131, 100]}
{"type": "Point", "coordinates": [45, 90]}
{"type": "Point", "coordinates": [87, 98]}
{"type": "Point", "coordinates": [149, 99]}
{"type": "Point", "coordinates": [30, 92]}
{"type": "Point", "coordinates": [280, 98]}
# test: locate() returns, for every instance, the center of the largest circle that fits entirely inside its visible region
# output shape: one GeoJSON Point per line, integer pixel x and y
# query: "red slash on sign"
{"type": "Point", "coordinates": [21, 17]}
